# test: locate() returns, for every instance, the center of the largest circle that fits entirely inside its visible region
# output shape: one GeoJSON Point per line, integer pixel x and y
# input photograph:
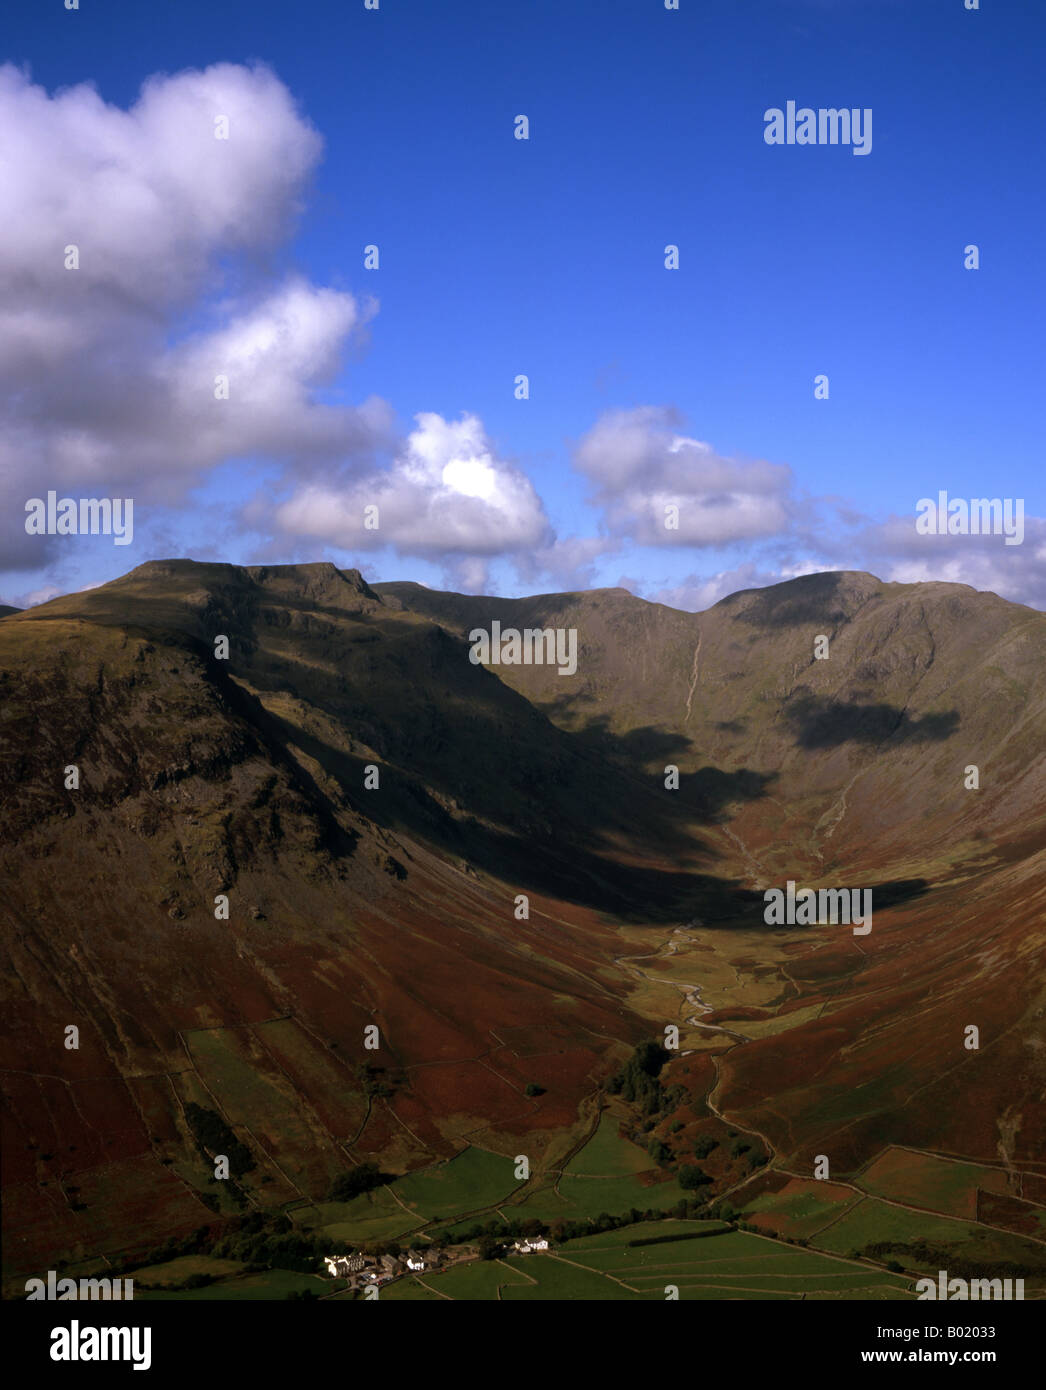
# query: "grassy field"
{"type": "Point", "coordinates": [556, 1279]}
{"type": "Point", "coordinates": [266, 1284]}
{"type": "Point", "coordinates": [872, 1221]}
{"type": "Point", "coordinates": [801, 1208]}
{"type": "Point", "coordinates": [580, 1198]}
{"type": "Point", "coordinates": [729, 1265]}
{"type": "Point", "coordinates": [408, 1291]}
{"type": "Point", "coordinates": [373, 1216]}
{"type": "Point", "coordinates": [608, 1156]}
{"type": "Point", "coordinates": [474, 1179]}
{"type": "Point", "coordinates": [181, 1268]}
{"type": "Point", "coordinates": [935, 1183]}
{"type": "Point", "coordinates": [706, 1267]}
{"type": "Point", "coordinates": [478, 1280]}
{"type": "Point", "coordinates": [253, 1094]}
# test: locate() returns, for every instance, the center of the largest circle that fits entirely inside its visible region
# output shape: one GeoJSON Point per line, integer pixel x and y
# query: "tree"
{"type": "Point", "coordinates": [691, 1177]}
{"type": "Point", "coordinates": [362, 1178]}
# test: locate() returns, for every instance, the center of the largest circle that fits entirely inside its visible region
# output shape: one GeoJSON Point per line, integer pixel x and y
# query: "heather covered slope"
{"type": "Point", "coordinates": [395, 905]}
{"type": "Point", "coordinates": [860, 761]}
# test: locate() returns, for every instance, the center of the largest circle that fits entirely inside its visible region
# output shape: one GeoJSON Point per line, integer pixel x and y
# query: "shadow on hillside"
{"type": "Point", "coordinates": [897, 891]}
{"type": "Point", "coordinates": [819, 722]}
{"type": "Point", "coordinates": [543, 852]}
{"type": "Point", "coordinates": [812, 598]}
{"type": "Point", "coordinates": [469, 767]}
{"type": "Point", "coordinates": [704, 793]}
{"type": "Point", "coordinates": [749, 906]}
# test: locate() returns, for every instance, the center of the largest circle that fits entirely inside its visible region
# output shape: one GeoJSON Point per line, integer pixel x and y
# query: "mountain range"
{"type": "Point", "coordinates": [373, 806]}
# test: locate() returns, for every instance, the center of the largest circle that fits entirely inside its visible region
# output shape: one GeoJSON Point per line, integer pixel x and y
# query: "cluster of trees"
{"type": "Point", "coordinates": [269, 1241]}
{"type": "Point", "coordinates": [363, 1178]}
{"type": "Point", "coordinates": [637, 1081]}
{"type": "Point", "coordinates": [692, 1177]}
{"type": "Point", "coordinates": [375, 1081]}
{"type": "Point", "coordinates": [213, 1136]}
{"type": "Point", "coordinates": [260, 1240]}
{"type": "Point", "coordinates": [199, 1242]}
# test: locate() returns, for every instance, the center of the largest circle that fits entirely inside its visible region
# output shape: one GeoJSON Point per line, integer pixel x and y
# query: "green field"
{"type": "Point", "coordinates": [730, 1265]}
{"type": "Point", "coordinates": [578, 1198]}
{"type": "Point", "coordinates": [804, 1209]}
{"type": "Point", "coordinates": [556, 1280]}
{"type": "Point", "coordinates": [872, 1220]}
{"type": "Point", "coordinates": [267, 1284]}
{"type": "Point", "coordinates": [471, 1181]}
{"type": "Point", "coordinates": [607, 1156]}
{"type": "Point", "coordinates": [408, 1291]}
{"type": "Point", "coordinates": [478, 1280]}
{"type": "Point", "coordinates": [374, 1216]}
{"type": "Point", "coordinates": [923, 1180]}
{"type": "Point", "coordinates": [181, 1268]}
{"type": "Point", "coordinates": [249, 1096]}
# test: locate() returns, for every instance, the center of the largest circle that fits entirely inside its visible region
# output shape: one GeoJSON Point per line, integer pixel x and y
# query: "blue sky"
{"type": "Point", "coordinates": [544, 257]}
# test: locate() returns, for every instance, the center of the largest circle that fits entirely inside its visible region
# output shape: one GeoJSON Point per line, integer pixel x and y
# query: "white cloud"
{"type": "Point", "coordinates": [698, 592]}
{"type": "Point", "coordinates": [641, 465]}
{"type": "Point", "coordinates": [446, 493]}
{"type": "Point", "coordinates": [569, 564]}
{"type": "Point", "coordinates": [104, 386]}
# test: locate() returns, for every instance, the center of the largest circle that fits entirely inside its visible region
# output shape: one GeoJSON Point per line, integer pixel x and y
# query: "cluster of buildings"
{"type": "Point", "coordinates": [360, 1269]}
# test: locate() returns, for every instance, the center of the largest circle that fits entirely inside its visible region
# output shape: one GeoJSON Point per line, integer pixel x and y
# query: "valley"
{"type": "Point", "coordinates": [823, 1087]}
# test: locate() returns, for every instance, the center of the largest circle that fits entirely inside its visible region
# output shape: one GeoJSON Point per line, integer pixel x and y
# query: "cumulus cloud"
{"type": "Point", "coordinates": [445, 494]}
{"type": "Point", "coordinates": [109, 368]}
{"type": "Point", "coordinates": [569, 563]}
{"type": "Point", "coordinates": [696, 592]}
{"type": "Point", "coordinates": [641, 465]}
{"type": "Point", "coordinates": [898, 553]}
{"type": "Point", "coordinates": [892, 550]}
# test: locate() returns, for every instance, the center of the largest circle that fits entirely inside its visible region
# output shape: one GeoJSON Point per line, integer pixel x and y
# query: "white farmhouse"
{"type": "Point", "coordinates": [529, 1244]}
{"type": "Point", "coordinates": [341, 1266]}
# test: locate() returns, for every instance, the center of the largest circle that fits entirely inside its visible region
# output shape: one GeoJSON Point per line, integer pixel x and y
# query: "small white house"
{"type": "Point", "coordinates": [529, 1244]}
{"type": "Point", "coordinates": [415, 1261]}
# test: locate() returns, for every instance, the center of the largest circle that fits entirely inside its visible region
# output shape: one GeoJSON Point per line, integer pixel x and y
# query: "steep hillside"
{"type": "Point", "coordinates": [372, 804]}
